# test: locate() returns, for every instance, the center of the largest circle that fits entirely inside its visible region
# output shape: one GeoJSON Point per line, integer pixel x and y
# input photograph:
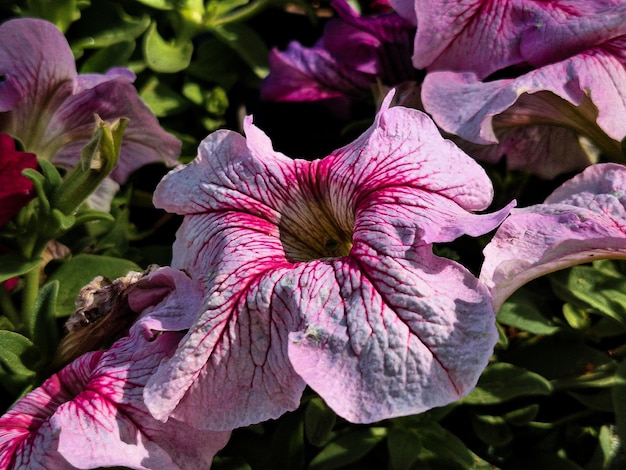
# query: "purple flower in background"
{"type": "Point", "coordinates": [91, 414]}
{"type": "Point", "coordinates": [582, 220]}
{"type": "Point", "coordinates": [570, 103]}
{"type": "Point", "coordinates": [50, 108]}
{"type": "Point", "coordinates": [354, 54]}
{"type": "Point", "coordinates": [322, 273]}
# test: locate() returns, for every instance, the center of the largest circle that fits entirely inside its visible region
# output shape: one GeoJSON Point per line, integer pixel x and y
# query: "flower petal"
{"type": "Point", "coordinates": [485, 36]}
{"type": "Point", "coordinates": [51, 109]}
{"type": "Point", "coordinates": [256, 232]}
{"type": "Point", "coordinates": [583, 220]}
{"type": "Point", "coordinates": [584, 93]}
{"type": "Point", "coordinates": [91, 414]}
{"type": "Point", "coordinates": [28, 45]}
{"type": "Point", "coordinates": [383, 337]}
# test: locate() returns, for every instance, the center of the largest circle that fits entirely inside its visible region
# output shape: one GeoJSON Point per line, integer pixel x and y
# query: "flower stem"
{"type": "Point", "coordinates": [29, 295]}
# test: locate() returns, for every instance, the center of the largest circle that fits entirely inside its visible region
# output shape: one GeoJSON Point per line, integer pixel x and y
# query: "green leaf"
{"type": "Point", "coordinates": [44, 328]}
{"type": "Point", "coordinates": [159, 4]}
{"type": "Point", "coordinates": [60, 12]}
{"type": "Point", "coordinates": [442, 449]}
{"type": "Point", "coordinates": [165, 57]}
{"type": "Point", "coordinates": [524, 312]}
{"type": "Point", "coordinates": [597, 286]}
{"type": "Point", "coordinates": [248, 45]}
{"type": "Point", "coordinates": [13, 265]}
{"type": "Point", "coordinates": [115, 55]}
{"type": "Point", "coordinates": [319, 421]}
{"type": "Point", "coordinates": [214, 60]}
{"type": "Point", "coordinates": [82, 269]}
{"type": "Point", "coordinates": [619, 402]}
{"type": "Point", "coordinates": [161, 99]}
{"type": "Point", "coordinates": [106, 25]}
{"type": "Point", "coordinates": [17, 357]}
{"type": "Point", "coordinates": [287, 444]}
{"type": "Point", "coordinates": [521, 416]}
{"type": "Point", "coordinates": [576, 317]}
{"type": "Point", "coordinates": [347, 448]}
{"type": "Point", "coordinates": [501, 382]}
{"type": "Point", "coordinates": [492, 430]}
{"type": "Point", "coordinates": [403, 446]}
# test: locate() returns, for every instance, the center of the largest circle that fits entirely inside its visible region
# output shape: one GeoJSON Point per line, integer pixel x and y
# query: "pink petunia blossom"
{"type": "Point", "coordinates": [91, 414]}
{"type": "Point", "coordinates": [486, 36]}
{"type": "Point", "coordinates": [354, 54]}
{"type": "Point", "coordinates": [582, 220]}
{"type": "Point", "coordinates": [566, 107]}
{"type": "Point", "coordinates": [50, 108]}
{"type": "Point", "coordinates": [15, 189]}
{"type": "Point", "coordinates": [322, 274]}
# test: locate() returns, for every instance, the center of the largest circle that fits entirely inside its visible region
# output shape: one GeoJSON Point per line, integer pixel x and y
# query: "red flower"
{"type": "Point", "coordinates": [15, 189]}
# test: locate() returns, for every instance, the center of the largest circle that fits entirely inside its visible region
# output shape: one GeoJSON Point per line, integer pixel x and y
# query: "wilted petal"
{"type": "Point", "coordinates": [583, 220]}
{"type": "Point", "coordinates": [15, 189]}
{"type": "Point", "coordinates": [91, 414]}
{"type": "Point", "coordinates": [320, 266]}
{"type": "Point", "coordinates": [51, 109]}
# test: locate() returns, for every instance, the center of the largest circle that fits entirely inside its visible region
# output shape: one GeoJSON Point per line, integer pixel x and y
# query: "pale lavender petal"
{"type": "Point", "coordinates": [546, 151]}
{"type": "Point", "coordinates": [71, 126]}
{"type": "Point", "coordinates": [27, 47]}
{"type": "Point", "coordinates": [598, 25]}
{"type": "Point", "coordinates": [91, 414]}
{"type": "Point", "coordinates": [584, 94]}
{"type": "Point", "coordinates": [385, 337]}
{"type": "Point", "coordinates": [291, 252]}
{"type": "Point", "coordinates": [583, 220]}
{"type": "Point", "coordinates": [51, 109]}
{"type": "Point", "coordinates": [484, 36]}
{"type": "Point", "coordinates": [467, 35]}
{"type": "Point", "coordinates": [235, 355]}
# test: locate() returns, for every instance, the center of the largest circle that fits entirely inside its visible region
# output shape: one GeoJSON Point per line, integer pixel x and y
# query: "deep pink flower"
{"type": "Point", "coordinates": [322, 273]}
{"type": "Point", "coordinates": [576, 88]}
{"type": "Point", "coordinates": [15, 189]}
{"type": "Point", "coordinates": [583, 220]}
{"type": "Point", "coordinates": [91, 414]}
{"type": "Point", "coordinates": [354, 54]}
{"type": "Point", "coordinates": [50, 108]}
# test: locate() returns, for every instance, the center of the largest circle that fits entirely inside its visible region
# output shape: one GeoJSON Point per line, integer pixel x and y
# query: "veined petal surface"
{"type": "Point", "coordinates": [583, 94]}
{"type": "Point", "coordinates": [91, 413]}
{"type": "Point", "coordinates": [322, 273]}
{"type": "Point", "coordinates": [582, 220]}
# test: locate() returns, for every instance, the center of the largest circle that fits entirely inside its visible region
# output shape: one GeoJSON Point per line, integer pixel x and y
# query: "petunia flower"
{"type": "Point", "coordinates": [322, 273]}
{"type": "Point", "coordinates": [354, 54]}
{"type": "Point", "coordinates": [15, 189]}
{"type": "Point", "coordinates": [582, 220]}
{"type": "Point", "coordinates": [91, 413]}
{"type": "Point", "coordinates": [556, 117]}
{"type": "Point", "coordinates": [50, 108]}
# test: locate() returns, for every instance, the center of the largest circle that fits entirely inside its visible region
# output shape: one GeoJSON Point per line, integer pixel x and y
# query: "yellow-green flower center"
{"type": "Point", "coordinates": [315, 232]}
